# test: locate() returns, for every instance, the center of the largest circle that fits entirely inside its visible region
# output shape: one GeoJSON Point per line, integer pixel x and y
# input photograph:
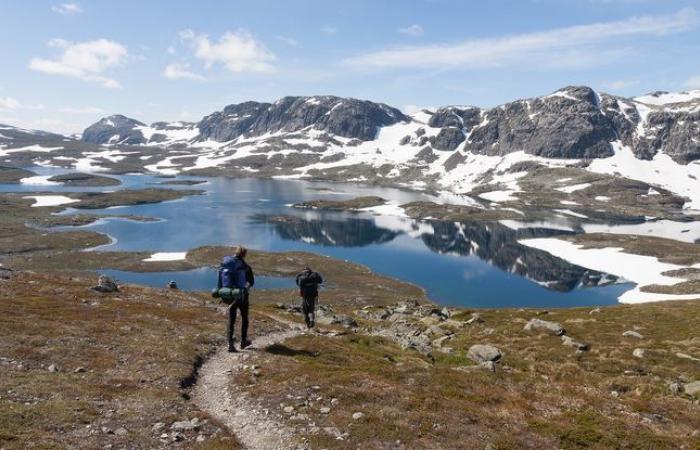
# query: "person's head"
{"type": "Point", "coordinates": [307, 269]}
{"type": "Point", "coordinates": [240, 251]}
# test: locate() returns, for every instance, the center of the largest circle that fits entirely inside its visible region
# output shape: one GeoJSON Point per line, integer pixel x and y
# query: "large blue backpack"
{"type": "Point", "coordinates": [232, 273]}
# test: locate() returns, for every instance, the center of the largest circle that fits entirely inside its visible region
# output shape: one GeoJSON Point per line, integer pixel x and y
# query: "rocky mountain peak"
{"type": "Point", "coordinates": [345, 117]}
{"type": "Point", "coordinates": [114, 129]}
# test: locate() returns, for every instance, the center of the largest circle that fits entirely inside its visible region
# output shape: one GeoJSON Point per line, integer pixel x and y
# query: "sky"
{"type": "Point", "coordinates": [66, 64]}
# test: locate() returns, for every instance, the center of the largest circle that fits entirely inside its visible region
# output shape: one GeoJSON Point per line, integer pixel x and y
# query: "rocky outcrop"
{"type": "Point", "coordinates": [346, 117]}
{"type": "Point", "coordinates": [566, 124]}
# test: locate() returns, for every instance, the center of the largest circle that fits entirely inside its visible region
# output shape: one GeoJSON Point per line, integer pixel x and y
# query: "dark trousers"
{"type": "Point", "coordinates": [308, 307]}
{"type": "Point", "coordinates": [241, 305]}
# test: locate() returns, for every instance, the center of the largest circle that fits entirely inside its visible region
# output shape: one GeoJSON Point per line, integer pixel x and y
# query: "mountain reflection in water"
{"type": "Point", "coordinates": [489, 241]}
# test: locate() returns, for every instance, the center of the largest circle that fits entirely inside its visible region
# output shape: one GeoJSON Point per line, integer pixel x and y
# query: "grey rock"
{"type": "Point", "coordinates": [632, 334]}
{"type": "Point", "coordinates": [539, 324]}
{"type": "Point", "coordinates": [80, 370]}
{"type": "Point", "coordinates": [568, 341]}
{"type": "Point", "coordinates": [675, 388]}
{"type": "Point", "coordinates": [448, 139]}
{"type": "Point", "coordinates": [185, 425]}
{"type": "Point", "coordinates": [325, 410]}
{"type": "Point", "coordinates": [105, 284]}
{"type": "Point", "coordinates": [638, 352]}
{"type": "Point", "coordinates": [475, 318]}
{"type": "Point", "coordinates": [480, 353]}
{"type": "Point", "coordinates": [53, 368]}
{"type": "Point", "coordinates": [121, 431]}
{"type": "Point", "coordinates": [358, 415]}
{"type": "Point", "coordinates": [692, 389]}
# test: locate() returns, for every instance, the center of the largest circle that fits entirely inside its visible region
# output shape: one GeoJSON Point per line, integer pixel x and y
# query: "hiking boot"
{"type": "Point", "coordinates": [232, 348]}
{"type": "Point", "coordinates": [246, 343]}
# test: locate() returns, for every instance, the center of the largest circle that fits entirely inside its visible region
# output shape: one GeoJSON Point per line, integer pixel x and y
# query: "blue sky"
{"type": "Point", "coordinates": [67, 63]}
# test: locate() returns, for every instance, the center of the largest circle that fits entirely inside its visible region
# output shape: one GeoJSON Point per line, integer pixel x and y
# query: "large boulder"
{"type": "Point", "coordinates": [480, 353]}
{"type": "Point", "coordinates": [551, 327]}
{"type": "Point", "coordinates": [105, 284]}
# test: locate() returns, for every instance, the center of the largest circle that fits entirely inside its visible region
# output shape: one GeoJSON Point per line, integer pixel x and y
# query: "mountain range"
{"type": "Point", "coordinates": [653, 138]}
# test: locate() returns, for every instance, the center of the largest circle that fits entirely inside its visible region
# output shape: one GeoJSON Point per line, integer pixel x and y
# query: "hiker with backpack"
{"type": "Point", "coordinates": [308, 282]}
{"type": "Point", "coordinates": [235, 278]}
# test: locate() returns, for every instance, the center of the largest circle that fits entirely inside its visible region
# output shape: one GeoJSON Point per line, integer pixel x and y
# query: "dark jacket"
{"type": "Point", "coordinates": [308, 282]}
{"type": "Point", "coordinates": [238, 269]}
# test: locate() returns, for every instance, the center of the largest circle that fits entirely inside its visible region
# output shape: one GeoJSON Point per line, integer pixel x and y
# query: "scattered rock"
{"type": "Point", "coordinates": [568, 341]}
{"type": "Point", "coordinates": [685, 356]}
{"type": "Point", "coordinates": [552, 327]}
{"type": "Point", "coordinates": [484, 353]}
{"type": "Point", "coordinates": [80, 370]}
{"type": "Point", "coordinates": [157, 427]}
{"type": "Point", "coordinates": [638, 353]}
{"type": "Point", "coordinates": [121, 431]}
{"type": "Point", "coordinates": [675, 388]}
{"type": "Point", "coordinates": [53, 368]}
{"type": "Point", "coordinates": [325, 410]}
{"type": "Point", "coordinates": [632, 334]}
{"type": "Point", "coordinates": [475, 318]}
{"type": "Point", "coordinates": [594, 311]}
{"type": "Point", "coordinates": [106, 284]}
{"type": "Point", "coordinates": [692, 389]}
{"type": "Point", "coordinates": [288, 409]}
{"type": "Point", "coordinates": [358, 415]}
{"type": "Point", "coordinates": [185, 425]}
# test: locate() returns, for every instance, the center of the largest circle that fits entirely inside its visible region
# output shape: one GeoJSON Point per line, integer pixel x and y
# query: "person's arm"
{"type": "Point", "coordinates": [320, 278]}
{"type": "Point", "coordinates": [297, 279]}
{"type": "Point", "coordinates": [250, 277]}
{"type": "Point", "coordinates": [218, 278]}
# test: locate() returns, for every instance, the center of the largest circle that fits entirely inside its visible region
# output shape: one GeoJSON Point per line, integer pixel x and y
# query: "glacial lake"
{"type": "Point", "coordinates": [477, 264]}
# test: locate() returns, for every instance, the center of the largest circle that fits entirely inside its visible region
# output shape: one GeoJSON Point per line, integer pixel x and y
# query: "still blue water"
{"type": "Point", "coordinates": [472, 264]}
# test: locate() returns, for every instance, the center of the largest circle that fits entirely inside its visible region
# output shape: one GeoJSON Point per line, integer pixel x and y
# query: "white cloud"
{"type": "Point", "coordinates": [171, 50]}
{"type": "Point", "coordinates": [11, 104]}
{"type": "Point", "coordinates": [177, 71]}
{"type": "Point", "coordinates": [412, 30]}
{"type": "Point", "coordinates": [619, 84]}
{"type": "Point", "coordinates": [67, 8]}
{"type": "Point", "coordinates": [554, 48]}
{"type": "Point", "coordinates": [693, 82]}
{"type": "Point", "coordinates": [329, 30]}
{"type": "Point", "coordinates": [83, 60]}
{"type": "Point", "coordinates": [287, 40]}
{"type": "Point", "coordinates": [238, 51]}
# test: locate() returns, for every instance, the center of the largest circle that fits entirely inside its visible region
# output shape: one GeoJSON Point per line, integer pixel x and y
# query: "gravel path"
{"type": "Point", "coordinates": [253, 427]}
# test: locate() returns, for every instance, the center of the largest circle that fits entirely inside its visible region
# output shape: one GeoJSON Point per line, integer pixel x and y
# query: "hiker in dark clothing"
{"type": "Point", "coordinates": [308, 282]}
{"type": "Point", "coordinates": [235, 273]}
